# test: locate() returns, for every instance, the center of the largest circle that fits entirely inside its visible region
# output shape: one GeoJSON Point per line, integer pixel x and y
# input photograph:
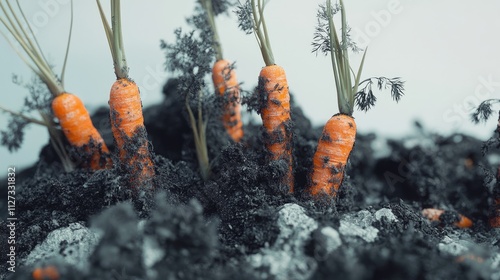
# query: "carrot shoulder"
{"type": "Point", "coordinates": [332, 153]}
{"type": "Point", "coordinates": [226, 83]}
{"type": "Point", "coordinates": [78, 128]}
{"type": "Point", "coordinates": [275, 113]}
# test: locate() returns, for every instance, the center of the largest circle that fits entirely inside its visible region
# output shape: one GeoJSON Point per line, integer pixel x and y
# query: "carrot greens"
{"type": "Point", "coordinates": [326, 40]}
{"type": "Point", "coordinates": [191, 58]}
{"type": "Point", "coordinates": [27, 47]}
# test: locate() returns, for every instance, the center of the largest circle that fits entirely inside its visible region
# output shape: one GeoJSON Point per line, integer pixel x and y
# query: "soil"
{"type": "Point", "coordinates": [241, 223]}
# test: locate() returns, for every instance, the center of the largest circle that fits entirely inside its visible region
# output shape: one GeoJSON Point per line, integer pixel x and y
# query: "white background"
{"type": "Point", "coordinates": [447, 51]}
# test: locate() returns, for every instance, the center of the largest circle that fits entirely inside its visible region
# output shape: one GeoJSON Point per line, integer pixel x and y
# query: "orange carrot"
{"type": "Point", "coordinates": [225, 81]}
{"type": "Point", "coordinates": [339, 133]}
{"type": "Point", "coordinates": [78, 128]}
{"type": "Point", "coordinates": [73, 117]}
{"type": "Point", "coordinates": [276, 119]}
{"type": "Point", "coordinates": [46, 273]}
{"type": "Point", "coordinates": [273, 92]}
{"type": "Point", "coordinates": [434, 215]}
{"type": "Point", "coordinates": [469, 258]}
{"type": "Point", "coordinates": [333, 150]}
{"type": "Point", "coordinates": [127, 125]}
{"type": "Point", "coordinates": [127, 121]}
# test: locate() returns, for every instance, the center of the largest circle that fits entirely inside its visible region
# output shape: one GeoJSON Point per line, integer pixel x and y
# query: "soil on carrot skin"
{"type": "Point", "coordinates": [243, 223]}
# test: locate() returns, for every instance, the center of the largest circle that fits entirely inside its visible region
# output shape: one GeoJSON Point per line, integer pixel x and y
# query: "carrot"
{"type": "Point", "coordinates": [78, 128]}
{"type": "Point", "coordinates": [45, 273]}
{"type": "Point", "coordinates": [127, 121]}
{"type": "Point", "coordinates": [276, 119]}
{"type": "Point", "coordinates": [127, 125]}
{"type": "Point", "coordinates": [434, 215]}
{"type": "Point", "coordinates": [74, 119]}
{"type": "Point", "coordinates": [273, 92]}
{"type": "Point", "coordinates": [226, 82]}
{"type": "Point", "coordinates": [339, 133]}
{"type": "Point", "coordinates": [469, 258]}
{"type": "Point", "coordinates": [333, 150]}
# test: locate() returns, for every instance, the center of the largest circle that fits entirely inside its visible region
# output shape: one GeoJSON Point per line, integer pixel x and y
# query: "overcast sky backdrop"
{"type": "Point", "coordinates": [447, 51]}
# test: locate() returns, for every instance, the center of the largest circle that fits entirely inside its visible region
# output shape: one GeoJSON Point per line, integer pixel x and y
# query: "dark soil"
{"type": "Point", "coordinates": [242, 223]}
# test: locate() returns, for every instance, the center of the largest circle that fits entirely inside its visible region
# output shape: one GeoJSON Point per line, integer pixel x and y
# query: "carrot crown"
{"type": "Point", "coordinates": [327, 40]}
{"type": "Point", "coordinates": [30, 52]}
{"type": "Point", "coordinates": [115, 39]}
{"type": "Point", "coordinates": [251, 18]}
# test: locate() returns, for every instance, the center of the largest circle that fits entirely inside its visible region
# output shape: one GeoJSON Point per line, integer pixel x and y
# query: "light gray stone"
{"type": "Point", "coordinates": [360, 225]}
{"type": "Point", "coordinates": [72, 244]}
{"type": "Point", "coordinates": [385, 212]}
{"type": "Point", "coordinates": [452, 247]}
{"type": "Point", "coordinates": [285, 259]}
{"type": "Point", "coordinates": [333, 240]}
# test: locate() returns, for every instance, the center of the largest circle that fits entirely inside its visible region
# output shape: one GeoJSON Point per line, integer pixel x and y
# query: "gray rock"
{"type": "Point", "coordinates": [387, 213]}
{"type": "Point", "coordinates": [495, 261]}
{"type": "Point", "coordinates": [72, 244]}
{"type": "Point", "coordinates": [333, 240]}
{"type": "Point", "coordinates": [452, 247]}
{"type": "Point", "coordinates": [286, 258]}
{"type": "Point", "coordinates": [359, 225]}
{"type": "Point", "coordinates": [295, 226]}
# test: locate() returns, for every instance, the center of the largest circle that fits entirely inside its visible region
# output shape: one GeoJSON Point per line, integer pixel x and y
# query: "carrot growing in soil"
{"type": "Point", "coordinates": [272, 89]}
{"type": "Point", "coordinates": [73, 118]}
{"type": "Point", "coordinates": [127, 121]}
{"type": "Point", "coordinates": [224, 76]}
{"type": "Point", "coordinates": [49, 272]}
{"type": "Point", "coordinates": [435, 215]}
{"type": "Point", "coordinates": [339, 133]}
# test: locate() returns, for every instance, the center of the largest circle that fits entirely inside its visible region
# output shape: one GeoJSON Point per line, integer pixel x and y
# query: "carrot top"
{"type": "Point", "coordinates": [30, 52]}
{"type": "Point", "coordinates": [251, 20]}
{"type": "Point", "coordinates": [115, 39]}
{"type": "Point", "coordinates": [191, 57]}
{"type": "Point", "coordinates": [326, 39]}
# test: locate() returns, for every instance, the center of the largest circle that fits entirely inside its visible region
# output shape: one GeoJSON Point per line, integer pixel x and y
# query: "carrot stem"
{"type": "Point", "coordinates": [207, 6]}
{"type": "Point", "coordinates": [120, 62]}
{"type": "Point", "coordinates": [57, 143]}
{"type": "Point", "coordinates": [107, 29]}
{"type": "Point", "coordinates": [260, 30]}
{"type": "Point", "coordinates": [31, 30]}
{"type": "Point", "coordinates": [14, 26]}
{"type": "Point", "coordinates": [63, 71]}
{"type": "Point", "coordinates": [26, 118]}
{"type": "Point", "coordinates": [199, 127]}
{"type": "Point", "coordinates": [346, 87]}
